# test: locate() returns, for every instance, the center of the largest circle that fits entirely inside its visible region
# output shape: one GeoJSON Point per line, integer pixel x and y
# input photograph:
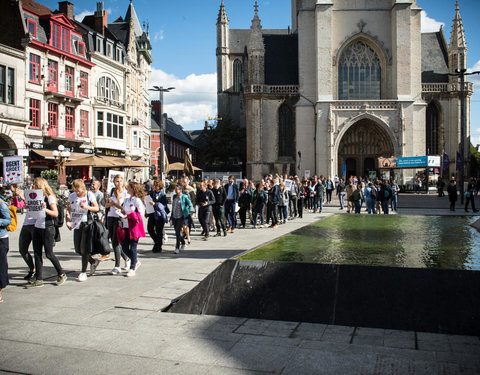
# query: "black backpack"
{"type": "Point", "coordinates": [373, 192]}
{"type": "Point", "coordinates": [60, 219]}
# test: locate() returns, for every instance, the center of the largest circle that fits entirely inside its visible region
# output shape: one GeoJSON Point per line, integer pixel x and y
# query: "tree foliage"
{"type": "Point", "coordinates": [474, 161]}
{"type": "Point", "coordinates": [223, 147]}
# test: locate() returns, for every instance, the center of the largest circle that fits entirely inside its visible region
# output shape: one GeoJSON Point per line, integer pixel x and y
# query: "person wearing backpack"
{"type": "Point", "coordinates": [44, 236]}
{"type": "Point", "coordinates": [370, 198]}
{"type": "Point", "coordinates": [5, 221]}
{"type": "Point", "coordinates": [84, 202]}
{"type": "Point", "coordinates": [385, 194]}
{"type": "Point", "coordinates": [258, 204]}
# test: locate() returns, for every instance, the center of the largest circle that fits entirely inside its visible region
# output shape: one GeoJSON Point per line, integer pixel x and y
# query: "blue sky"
{"type": "Point", "coordinates": [183, 36]}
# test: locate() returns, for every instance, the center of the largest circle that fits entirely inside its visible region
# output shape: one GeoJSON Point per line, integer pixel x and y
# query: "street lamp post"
{"type": "Point", "coordinates": [161, 90]}
{"type": "Point", "coordinates": [61, 156]}
{"type": "Point", "coordinates": [462, 73]}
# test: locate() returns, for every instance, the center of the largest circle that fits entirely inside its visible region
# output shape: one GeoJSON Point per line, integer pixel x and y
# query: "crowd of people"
{"type": "Point", "coordinates": [221, 208]}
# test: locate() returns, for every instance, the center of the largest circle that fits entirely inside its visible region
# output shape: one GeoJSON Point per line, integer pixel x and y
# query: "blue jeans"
{"type": "Point", "coordinates": [318, 204]}
{"type": "Point", "coordinates": [394, 202]}
{"type": "Point", "coordinates": [371, 206]}
{"type": "Point", "coordinates": [358, 206]}
{"type": "Point", "coordinates": [385, 207]}
{"type": "Point", "coordinates": [258, 210]}
{"type": "Point", "coordinates": [130, 248]}
{"type": "Point", "coordinates": [230, 212]}
{"type": "Point", "coordinates": [341, 198]}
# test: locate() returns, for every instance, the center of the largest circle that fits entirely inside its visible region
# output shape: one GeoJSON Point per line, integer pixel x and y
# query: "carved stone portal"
{"type": "Point", "coordinates": [361, 146]}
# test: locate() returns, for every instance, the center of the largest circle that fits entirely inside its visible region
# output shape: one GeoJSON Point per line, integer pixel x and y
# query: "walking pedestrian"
{"type": "Point", "coordinates": [114, 202]}
{"type": "Point", "coordinates": [370, 198]}
{"type": "Point", "coordinates": [230, 204]}
{"type": "Point", "coordinates": [44, 236]}
{"type": "Point", "coordinates": [282, 205]}
{"type": "Point", "coordinates": [205, 200]}
{"type": "Point", "coordinates": [132, 212]}
{"type": "Point", "coordinates": [155, 222]}
{"type": "Point", "coordinates": [258, 204]}
{"type": "Point", "coordinates": [452, 194]}
{"type": "Point", "coordinates": [244, 204]}
{"type": "Point", "coordinates": [395, 190]}
{"type": "Point", "coordinates": [469, 195]}
{"type": "Point", "coordinates": [5, 220]}
{"type": "Point", "coordinates": [341, 193]}
{"type": "Point", "coordinates": [218, 207]}
{"type": "Point", "coordinates": [181, 207]}
{"type": "Point", "coordinates": [79, 205]}
{"type": "Point", "coordinates": [357, 198]}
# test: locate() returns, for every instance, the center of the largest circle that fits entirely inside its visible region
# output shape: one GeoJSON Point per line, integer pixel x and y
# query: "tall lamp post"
{"type": "Point", "coordinates": [61, 156]}
{"type": "Point", "coordinates": [463, 123]}
{"type": "Point", "coordinates": [161, 90]}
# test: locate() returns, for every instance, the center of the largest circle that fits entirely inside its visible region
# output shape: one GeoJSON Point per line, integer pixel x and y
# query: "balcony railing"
{"type": "Point", "coordinates": [446, 87]}
{"type": "Point", "coordinates": [61, 132]}
{"type": "Point", "coordinates": [100, 100]}
{"type": "Point", "coordinates": [369, 104]}
{"type": "Point", "coordinates": [58, 90]}
{"type": "Point", "coordinates": [271, 89]}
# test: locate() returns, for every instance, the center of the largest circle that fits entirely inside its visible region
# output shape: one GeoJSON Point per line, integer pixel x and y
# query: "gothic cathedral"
{"type": "Point", "coordinates": [350, 82]}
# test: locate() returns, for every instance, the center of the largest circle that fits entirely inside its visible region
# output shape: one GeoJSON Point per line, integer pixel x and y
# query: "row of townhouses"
{"type": "Point", "coordinates": [82, 84]}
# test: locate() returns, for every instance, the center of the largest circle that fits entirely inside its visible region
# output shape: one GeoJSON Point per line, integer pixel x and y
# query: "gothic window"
{"type": "Point", "coordinates": [359, 73]}
{"type": "Point", "coordinates": [286, 133]}
{"type": "Point", "coordinates": [432, 130]}
{"type": "Point", "coordinates": [237, 75]}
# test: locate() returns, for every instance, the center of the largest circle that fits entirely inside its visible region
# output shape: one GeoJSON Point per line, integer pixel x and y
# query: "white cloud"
{"type": "Point", "coordinates": [193, 100]}
{"type": "Point", "coordinates": [475, 137]}
{"type": "Point", "coordinates": [158, 35]}
{"type": "Point", "coordinates": [429, 24]}
{"type": "Point", "coordinates": [475, 78]}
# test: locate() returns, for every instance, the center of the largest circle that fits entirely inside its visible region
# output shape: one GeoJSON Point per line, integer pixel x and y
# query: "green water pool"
{"type": "Point", "coordinates": [380, 240]}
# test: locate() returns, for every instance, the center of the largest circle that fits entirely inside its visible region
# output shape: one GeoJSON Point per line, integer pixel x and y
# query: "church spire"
{"type": "Point", "coordinates": [256, 51]}
{"type": "Point", "coordinates": [457, 50]}
{"type": "Point", "coordinates": [256, 37]}
{"type": "Point", "coordinates": [457, 39]}
{"type": "Point", "coordinates": [222, 14]}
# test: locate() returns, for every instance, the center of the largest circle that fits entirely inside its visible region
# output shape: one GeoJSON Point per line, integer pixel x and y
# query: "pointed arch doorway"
{"type": "Point", "coordinates": [361, 146]}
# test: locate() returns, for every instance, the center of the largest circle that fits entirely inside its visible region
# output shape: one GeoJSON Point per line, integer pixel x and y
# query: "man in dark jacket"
{"type": "Point", "coordinates": [205, 200]}
{"type": "Point", "coordinates": [274, 198]}
{"type": "Point", "coordinates": [385, 194]}
{"type": "Point", "coordinates": [341, 193]}
{"type": "Point", "coordinates": [155, 225]}
{"type": "Point", "coordinates": [231, 189]}
{"type": "Point", "coordinates": [218, 207]}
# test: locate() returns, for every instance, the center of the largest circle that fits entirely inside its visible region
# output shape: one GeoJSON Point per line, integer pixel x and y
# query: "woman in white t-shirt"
{"type": "Point", "coordinates": [24, 240]}
{"type": "Point", "coordinates": [133, 203]}
{"type": "Point", "coordinates": [113, 202]}
{"type": "Point", "coordinates": [44, 235]}
{"type": "Point", "coordinates": [79, 203]}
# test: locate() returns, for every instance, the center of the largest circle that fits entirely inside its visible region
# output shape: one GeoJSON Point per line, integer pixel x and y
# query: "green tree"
{"type": "Point", "coordinates": [223, 147]}
{"type": "Point", "coordinates": [474, 161]}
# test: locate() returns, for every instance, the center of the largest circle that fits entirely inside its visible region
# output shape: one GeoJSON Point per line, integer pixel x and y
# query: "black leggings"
{"type": "Point", "coordinates": [45, 239]}
{"type": "Point", "coordinates": [80, 236]}
{"type": "Point", "coordinates": [112, 224]}
{"type": "Point", "coordinates": [178, 224]}
{"type": "Point", "coordinates": [155, 229]}
{"type": "Point", "coordinates": [24, 241]}
{"type": "Point", "coordinates": [3, 262]}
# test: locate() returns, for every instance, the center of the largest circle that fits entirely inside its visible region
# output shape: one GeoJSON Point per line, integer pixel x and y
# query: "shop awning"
{"type": "Point", "coordinates": [48, 154]}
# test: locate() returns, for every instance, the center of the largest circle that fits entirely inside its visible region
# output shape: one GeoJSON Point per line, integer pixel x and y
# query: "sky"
{"type": "Point", "coordinates": [183, 38]}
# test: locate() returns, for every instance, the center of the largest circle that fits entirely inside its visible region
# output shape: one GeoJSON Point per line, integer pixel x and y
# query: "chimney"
{"type": "Point", "coordinates": [101, 20]}
{"type": "Point", "coordinates": [66, 7]}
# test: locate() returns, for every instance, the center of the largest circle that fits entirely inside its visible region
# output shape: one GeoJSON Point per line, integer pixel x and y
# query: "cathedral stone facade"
{"type": "Point", "coordinates": [350, 82]}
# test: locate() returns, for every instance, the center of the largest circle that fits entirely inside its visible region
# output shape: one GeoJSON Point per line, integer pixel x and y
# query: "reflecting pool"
{"type": "Point", "coordinates": [381, 240]}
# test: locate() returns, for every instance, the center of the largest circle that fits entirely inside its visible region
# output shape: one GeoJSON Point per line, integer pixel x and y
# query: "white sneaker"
{"type": "Point", "coordinates": [261, 226]}
{"type": "Point", "coordinates": [128, 263]}
{"type": "Point", "coordinates": [137, 266]}
{"type": "Point", "coordinates": [116, 271]}
{"type": "Point", "coordinates": [131, 273]}
{"type": "Point", "coordinates": [82, 277]}
{"type": "Point", "coordinates": [165, 238]}
{"type": "Point", "coordinates": [93, 266]}
{"type": "Point", "coordinates": [176, 251]}
{"type": "Point", "coordinates": [182, 247]}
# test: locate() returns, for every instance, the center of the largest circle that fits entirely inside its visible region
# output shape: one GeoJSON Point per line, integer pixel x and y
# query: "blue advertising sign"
{"type": "Point", "coordinates": [412, 161]}
{"type": "Point", "coordinates": [344, 170]}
